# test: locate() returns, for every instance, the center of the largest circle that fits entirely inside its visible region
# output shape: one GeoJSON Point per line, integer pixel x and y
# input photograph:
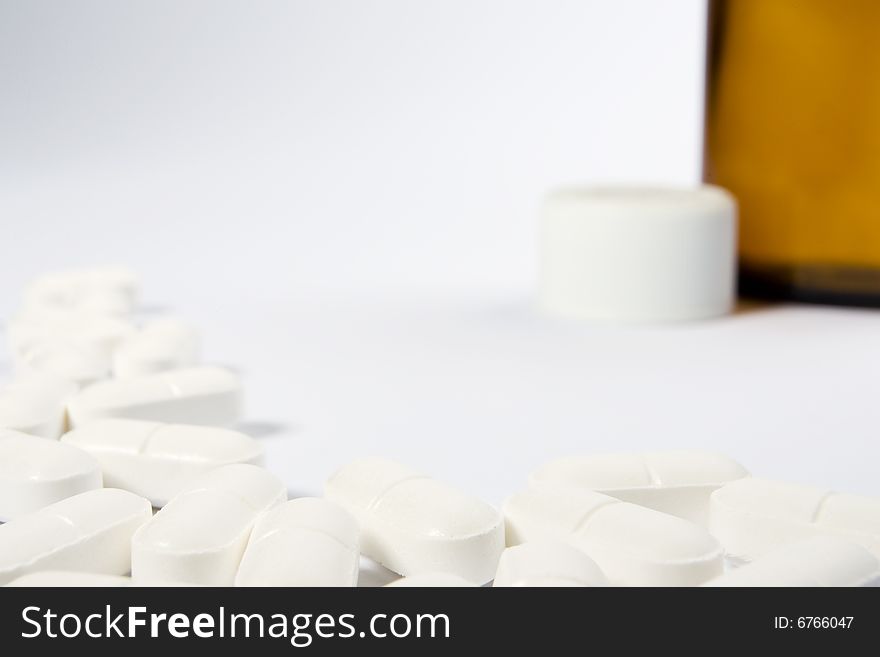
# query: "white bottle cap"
{"type": "Point", "coordinates": [638, 254]}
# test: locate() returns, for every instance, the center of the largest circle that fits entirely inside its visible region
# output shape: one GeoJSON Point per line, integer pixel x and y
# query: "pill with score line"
{"type": "Point", "coordinates": [88, 532]}
{"type": "Point", "coordinates": [197, 395]}
{"type": "Point", "coordinates": [752, 516]}
{"type": "Point", "coordinates": [158, 460]}
{"type": "Point", "coordinates": [633, 545]}
{"type": "Point", "coordinates": [413, 524]}
{"type": "Point", "coordinates": [678, 482]}
{"type": "Point", "coordinates": [817, 561]}
{"type": "Point", "coordinates": [199, 537]}
{"type": "Point", "coordinates": [304, 542]}
{"type": "Point", "coordinates": [36, 472]}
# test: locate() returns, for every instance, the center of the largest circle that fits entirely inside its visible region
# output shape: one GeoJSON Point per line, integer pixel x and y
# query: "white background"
{"type": "Point", "coordinates": [344, 193]}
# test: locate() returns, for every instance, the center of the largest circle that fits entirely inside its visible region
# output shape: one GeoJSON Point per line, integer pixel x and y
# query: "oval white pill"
{"type": "Point", "coordinates": [817, 561]}
{"type": "Point", "coordinates": [36, 405]}
{"type": "Point", "coordinates": [633, 545]}
{"type": "Point", "coordinates": [68, 578]}
{"type": "Point", "coordinates": [547, 563]}
{"type": "Point", "coordinates": [304, 542]}
{"type": "Point", "coordinates": [161, 345]}
{"type": "Point", "coordinates": [157, 460]}
{"type": "Point", "coordinates": [80, 364]}
{"type": "Point", "coordinates": [108, 289]}
{"type": "Point", "coordinates": [412, 524]}
{"type": "Point", "coordinates": [87, 330]}
{"type": "Point", "coordinates": [196, 395]}
{"type": "Point", "coordinates": [89, 532]}
{"type": "Point", "coordinates": [752, 516]}
{"type": "Point", "coordinates": [36, 472]}
{"type": "Point", "coordinates": [431, 580]}
{"type": "Point", "coordinates": [677, 482]}
{"type": "Point", "coordinates": [200, 536]}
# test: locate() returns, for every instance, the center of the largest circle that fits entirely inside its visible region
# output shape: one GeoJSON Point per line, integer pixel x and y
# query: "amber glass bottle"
{"type": "Point", "coordinates": [793, 130]}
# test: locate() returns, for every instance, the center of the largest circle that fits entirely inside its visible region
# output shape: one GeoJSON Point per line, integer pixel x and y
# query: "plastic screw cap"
{"type": "Point", "coordinates": [635, 254]}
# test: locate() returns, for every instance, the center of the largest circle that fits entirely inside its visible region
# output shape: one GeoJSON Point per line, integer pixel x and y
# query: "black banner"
{"type": "Point", "coordinates": [434, 621]}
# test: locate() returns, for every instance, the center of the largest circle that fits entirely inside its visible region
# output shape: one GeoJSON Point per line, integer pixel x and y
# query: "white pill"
{"type": "Point", "coordinates": [36, 405]}
{"type": "Point", "coordinates": [817, 561]}
{"type": "Point", "coordinates": [547, 563]}
{"type": "Point", "coordinates": [87, 330]}
{"type": "Point", "coordinates": [89, 532]}
{"type": "Point", "coordinates": [36, 472]}
{"type": "Point", "coordinates": [157, 460]}
{"type": "Point", "coordinates": [413, 524]}
{"type": "Point", "coordinates": [161, 345]}
{"type": "Point", "coordinates": [107, 289]}
{"type": "Point", "coordinates": [68, 578]}
{"type": "Point", "coordinates": [304, 542]}
{"type": "Point", "coordinates": [431, 580]}
{"type": "Point", "coordinates": [676, 482]}
{"type": "Point", "coordinates": [200, 535]}
{"type": "Point", "coordinates": [78, 363]}
{"type": "Point", "coordinates": [752, 516]}
{"type": "Point", "coordinates": [633, 545]}
{"type": "Point", "coordinates": [196, 395]}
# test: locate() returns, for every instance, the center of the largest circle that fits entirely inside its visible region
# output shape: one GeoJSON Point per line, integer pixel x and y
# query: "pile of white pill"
{"type": "Point", "coordinates": [118, 468]}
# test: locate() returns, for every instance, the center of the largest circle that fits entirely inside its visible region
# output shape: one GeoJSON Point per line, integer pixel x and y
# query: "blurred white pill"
{"type": "Point", "coordinates": [86, 330]}
{"type": "Point", "coordinates": [817, 561]}
{"type": "Point", "coordinates": [196, 395]}
{"type": "Point", "coordinates": [89, 532]}
{"type": "Point", "coordinates": [304, 542]}
{"type": "Point", "coordinates": [36, 405]}
{"type": "Point", "coordinates": [109, 289]}
{"type": "Point", "coordinates": [36, 472]}
{"type": "Point", "coordinates": [78, 363]}
{"type": "Point", "coordinates": [753, 516]}
{"type": "Point", "coordinates": [163, 344]}
{"type": "Point", "coordinates": [547, 563]}
{"type": "Point", "coordinates": [200, 536]}
{"type": "Point", "coordinates": [431, 580]}
{"type": "Point", "coordinates": [413, 524]}
{"type": "Point", "coordinates": [633, 545]}
{"type": "Point", "coordinates": [157, 460]}
{"type": "Point", "coordinates": [678, 482]}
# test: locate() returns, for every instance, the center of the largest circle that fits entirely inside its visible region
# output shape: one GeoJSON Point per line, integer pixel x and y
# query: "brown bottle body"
{"type": "Point", "coordinates": [793, 130]}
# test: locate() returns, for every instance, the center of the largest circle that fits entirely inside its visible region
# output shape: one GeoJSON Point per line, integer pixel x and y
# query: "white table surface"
{"type": "Point", "coordinates": [478, 389]}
